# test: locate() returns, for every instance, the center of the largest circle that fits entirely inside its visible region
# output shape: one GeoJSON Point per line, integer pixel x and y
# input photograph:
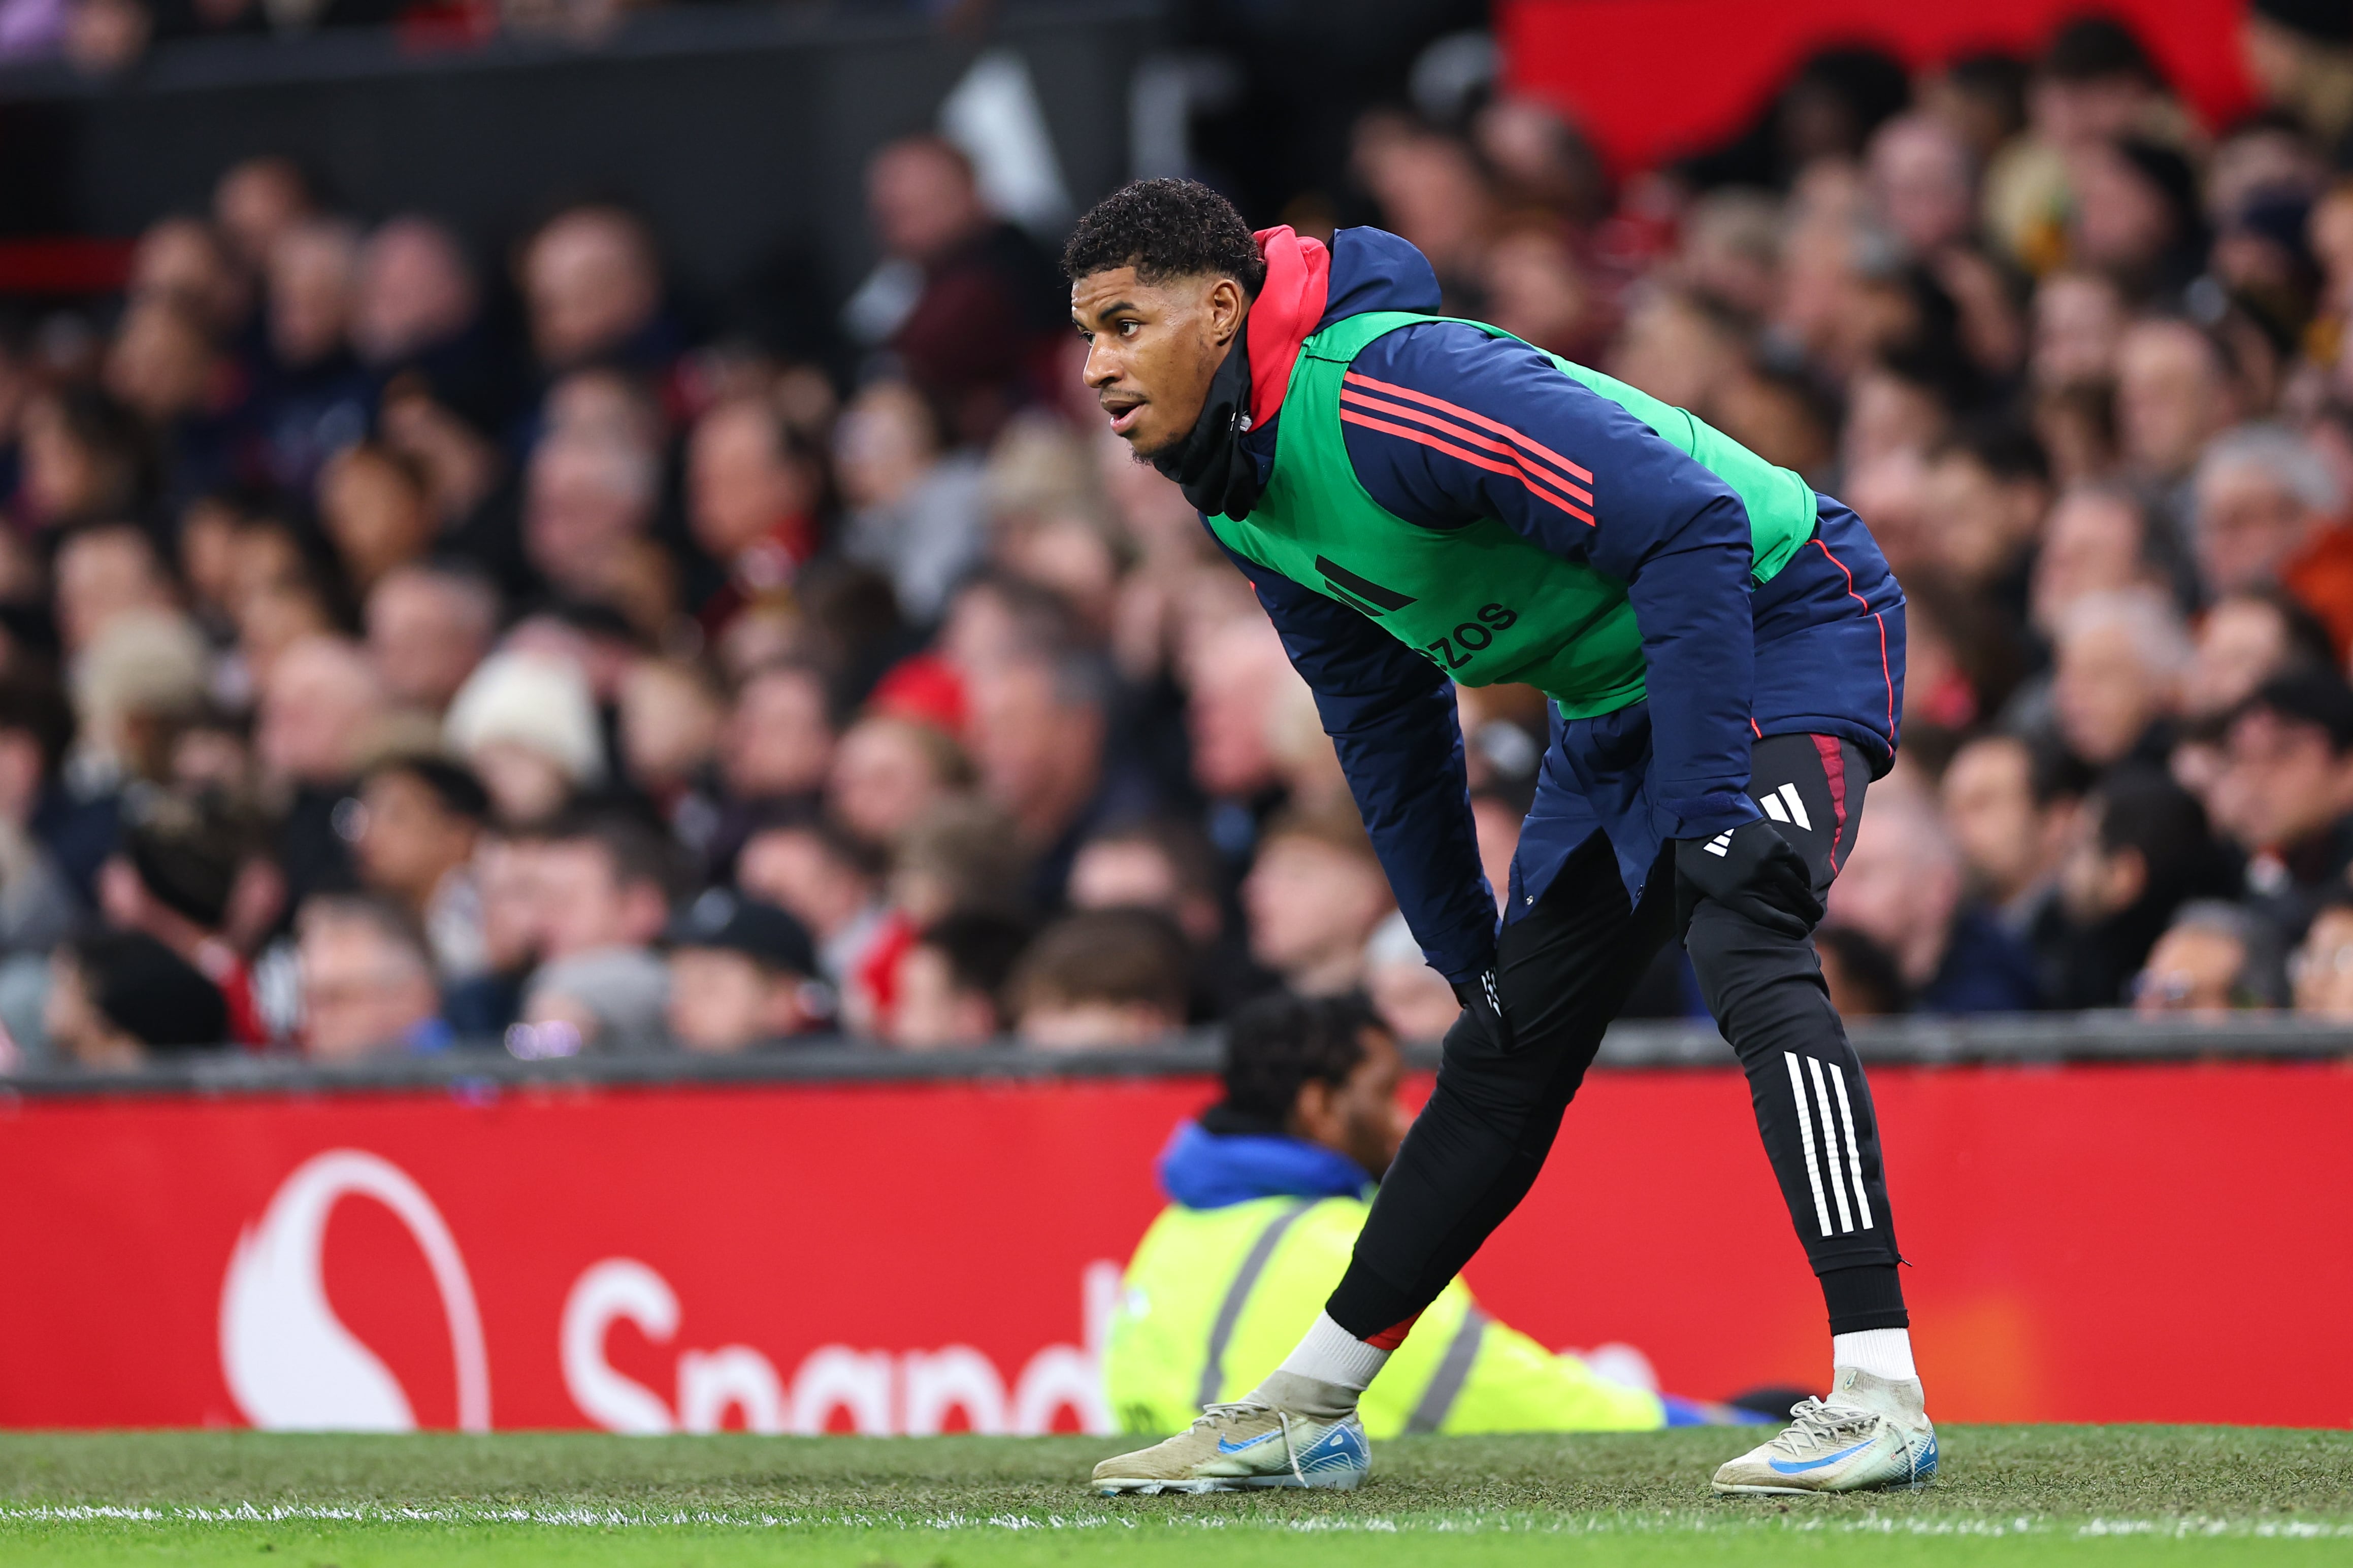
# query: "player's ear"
{"type": "Point", "coordinates": [1228, 306]}
{"type": "Point", "coordinates": [1311, 1112]}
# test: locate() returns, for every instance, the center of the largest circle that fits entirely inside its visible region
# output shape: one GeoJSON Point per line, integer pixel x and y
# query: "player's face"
{"type": "Point", "coordinates": [1152, 349]}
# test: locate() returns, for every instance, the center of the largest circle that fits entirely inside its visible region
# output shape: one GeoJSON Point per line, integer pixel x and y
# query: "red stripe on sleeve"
{"type": "Point", "coordinates": [1350, 416]}
{"type": "Point", "coordinates": [1468, 417]}
{"type": "Point", "coordinates": [1399, 411]}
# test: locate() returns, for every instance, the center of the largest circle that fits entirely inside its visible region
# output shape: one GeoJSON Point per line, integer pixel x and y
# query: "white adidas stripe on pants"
{"type": "Point", "coordinates": [1826, 1163]}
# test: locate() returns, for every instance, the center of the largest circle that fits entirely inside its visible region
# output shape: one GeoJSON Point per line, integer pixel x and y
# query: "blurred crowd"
{"type": "Point", "coordinates": [398, 649]}
{"type": "Point", "coordinates": [105, 38]}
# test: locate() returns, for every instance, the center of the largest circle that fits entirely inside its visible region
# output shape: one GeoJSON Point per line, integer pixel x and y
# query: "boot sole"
{"type": "Point", "coordinates": [1739, 1488]}
{"type": "Point", "coordinates": [1344, 1481]}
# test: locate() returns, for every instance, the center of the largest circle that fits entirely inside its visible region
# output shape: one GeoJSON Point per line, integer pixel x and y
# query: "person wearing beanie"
{"type": "Point", "coordinates": [118, 996]}
{"type": "Point", "coordinates": [526, 723]}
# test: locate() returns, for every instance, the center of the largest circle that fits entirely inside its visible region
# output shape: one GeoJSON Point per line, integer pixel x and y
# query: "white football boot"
{"type": "Point", "coordinates": [1870, 1432]}
{"type": "Point", "coordinates": [1234, 1446]}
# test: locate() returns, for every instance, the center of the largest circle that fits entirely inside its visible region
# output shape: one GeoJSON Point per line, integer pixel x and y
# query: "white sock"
{"type": "Point", "coordinates": [1330, 1353]}
{"type": "Point", "coordinates": [1882, 1352]}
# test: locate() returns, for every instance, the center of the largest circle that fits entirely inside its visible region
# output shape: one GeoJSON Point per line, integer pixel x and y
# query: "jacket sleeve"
{"type": "Point", "coordinates": [1446, 424]}
{"type": "Point", "coordinates": [1390, 713]}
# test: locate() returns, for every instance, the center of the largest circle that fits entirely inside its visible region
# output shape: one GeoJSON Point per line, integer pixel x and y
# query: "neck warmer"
{"type": "Point", "coordinates": [1218, 477]}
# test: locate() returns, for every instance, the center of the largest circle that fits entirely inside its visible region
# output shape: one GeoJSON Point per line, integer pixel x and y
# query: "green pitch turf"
{"type": "Point", "coordinates": [2009, 1495]}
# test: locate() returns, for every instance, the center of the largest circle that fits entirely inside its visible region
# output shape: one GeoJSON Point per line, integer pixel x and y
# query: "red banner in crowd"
{"type": "Point", "coordinates": [2091, 1242]}
{"type": "Point", "coordinates": [1650, 80]}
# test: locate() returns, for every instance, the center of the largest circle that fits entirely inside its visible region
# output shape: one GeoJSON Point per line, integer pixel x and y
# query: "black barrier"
{"type": "Point", "coordinates": [2025, 1039]}
{"type": "Point", "coordinates": [740, 130]}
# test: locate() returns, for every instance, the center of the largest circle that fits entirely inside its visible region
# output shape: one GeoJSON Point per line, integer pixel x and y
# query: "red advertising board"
{"type": "Point", "coordinates": [2089, 1243]}
{"type": "Point", "coordinates": [1649, 79]}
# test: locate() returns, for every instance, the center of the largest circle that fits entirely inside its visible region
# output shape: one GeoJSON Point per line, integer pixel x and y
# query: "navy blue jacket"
{"type": "Point", "coordinates": [1817, 650]}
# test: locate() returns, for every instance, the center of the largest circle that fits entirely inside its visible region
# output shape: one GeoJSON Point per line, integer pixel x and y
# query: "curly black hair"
{"type": "Point", "coordinates": [1166, 228]}
{"type": "Point", "coordinates": [1277, 1044]}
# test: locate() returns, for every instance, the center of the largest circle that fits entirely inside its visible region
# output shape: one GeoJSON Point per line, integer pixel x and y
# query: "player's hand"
{"type": "Point", "coordinates": [1484, 1000]}
{"type": "Point", "coordinates": [1752, 871]}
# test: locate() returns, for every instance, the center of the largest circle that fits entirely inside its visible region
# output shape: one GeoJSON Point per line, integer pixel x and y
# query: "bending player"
{"type": "Point", "coordinates": [1419, 499]}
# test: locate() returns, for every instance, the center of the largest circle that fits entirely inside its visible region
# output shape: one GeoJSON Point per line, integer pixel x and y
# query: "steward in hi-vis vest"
{"type": "Point", "coordinates": [1420, 501]}
{"type": "Point", "coordinates": [1236, 1267]}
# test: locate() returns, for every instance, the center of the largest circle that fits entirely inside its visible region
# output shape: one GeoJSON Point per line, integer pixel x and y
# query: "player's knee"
{"type": "Point", "coordinates": [1733, 957]}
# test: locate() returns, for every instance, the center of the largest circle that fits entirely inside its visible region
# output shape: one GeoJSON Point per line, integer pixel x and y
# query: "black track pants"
{"type": "Point", "coordinates": [1563, 969]}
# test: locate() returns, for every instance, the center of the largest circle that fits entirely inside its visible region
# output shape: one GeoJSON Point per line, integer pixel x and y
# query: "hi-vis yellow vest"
{"type": "Point", "coordinates": [1215, 1298]}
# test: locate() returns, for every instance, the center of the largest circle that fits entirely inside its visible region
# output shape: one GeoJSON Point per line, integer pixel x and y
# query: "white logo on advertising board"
{"type": "Point", "coordinates": [914, 1393]}
{"type": "Point", "coordinates": [291, 1363]}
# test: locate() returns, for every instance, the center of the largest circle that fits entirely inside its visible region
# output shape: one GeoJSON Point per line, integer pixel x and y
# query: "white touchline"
{"type": "Point", "coordinates": [1806, 1138]}
{"type": "Point", "coordinates": [1853, 1155]}
{"type": "Point", "coordinates": [1830, 1147]}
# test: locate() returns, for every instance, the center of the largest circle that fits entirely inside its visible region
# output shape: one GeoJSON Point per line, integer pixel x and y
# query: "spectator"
{"type": "Point", "coordinates": [2095, 541]}
{"type": "Point", "coordinates": [367, 981]}
{"type": "Point", "coordinates": [2262, 498]}
{"type": "Point", "coordinates": [320, 708]}
{"type": "Point", "coordinates": [316, 399]}
{"type": "Point", "coordinates": [2244, 640]}
{"type": "Point", "coordinates": [588, 503]}
{"type": "Point", "coordinates": [2174, 394]}
{"type": "Point", "coordinates": [887, 772]}
{"type": "Point", "coordinates": [527, 726]}
{"type": "Point", "coordinates": [968, 303]}
{"type": "Point", "coordinates": [1102, 980]}
{"type": "Point", "coordinates": [2079, 325]}
{"type": "Point", "coordinates": [1414, 1000]}
{"type": "Point", "coordinates": [1166, 864]}
{"type": "Point", "coordinates": [950, 984]}
{"type": "Point", "coordinates": [670, 718]}
{"type": "Point", "coordinates": [2214, 959]}
{"type": "Point", "coordinates": [1039, 732]}
{"type": "Point", "coordinates": [2120, 659]}
{"type": "Point", "coordinates": [1314, 897]}
{"type": "Point", "coordinates": [257, 202]}
{"type": "Point", "coordinates": [914, 509]}
{"type": "Point", "coordinates": [2322, 968]}
{"type": "Point", "coordinates": [607, 1001]}
{"type": "Point", "coordinates": [963, 854]}
{"type": "Point", "coordinates": [779, 739]}
{"type": "Point", "coordinates": [50, 847]}
{"type": "Point", "coordinates": [594, 291]}
{"type": "Point", "coordinates": [2142, 848]}
{"type": "Point", "coordinates": [2011, 806]}
{"type": "Point", "coordinates": [102, 572]}
{"type": "Point", "coordinates": [420, 822]}
{"type": "Point", "coordinates": [378, 509]}
{"type": "Point", "coordinates": [1989, 489]}
{"type": "Point", "coordinates": [742, 974]}
{"type": "Point", "coordinates": [429, 626]}
{"type": "Point", "coordinates": [84, 459]}
{"type": "Point", "coordinates": [1900, 886]}
{"type": "Point", "coordinates": [116, 997]}
{"type": "Point", "coordinates": [1862, 979]}
{"type": "Point", "coordinates": [751, 502]}
{"type": "Point", "coordinates": [827, 880]}
{"type": "Point", "coordinates": [505, 873]}
{"type": "Point", "coordinates": [174, 878]}
{"type": "Point", "coordinates": [2285, 794]}
{"type": "Point", "coordinates": [606, 881]}
{"type": "Point", "coordinates": [414, 292]}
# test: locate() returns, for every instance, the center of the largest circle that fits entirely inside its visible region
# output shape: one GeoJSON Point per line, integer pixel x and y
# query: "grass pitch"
{"type": "Point", "coordinates": [2008, 1494]}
